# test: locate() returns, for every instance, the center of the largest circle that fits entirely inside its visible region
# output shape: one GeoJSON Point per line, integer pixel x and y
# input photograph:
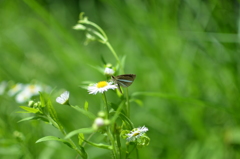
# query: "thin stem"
{"type": "Point", "coordinates": [137, 153]}
{"type": "Point", "coordinates": [113, 51]}
{"type": "Point", "coordinates": [115, 55]}
{"type": "Point", "coordinates": [105, 105]}
{"type": "Point", "coordinates": [72, 143]}
{"type": "Point", "coordinates": [104, 39]}
{"type": "Point", "coordinates": [91, 135]}
{"type": "Point", "coordinates": [96, 26]}
{"type": "Point", "coordinates": [109, 133]}
{"type": "Point", "coordinates": [135, 147]}
{"type": "Point", "coordinates": [127, 104]}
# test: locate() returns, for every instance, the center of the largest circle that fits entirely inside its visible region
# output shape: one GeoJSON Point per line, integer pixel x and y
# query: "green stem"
{"type": "Point", "coordinates": [105, 105]}
{"type": "Point", "coordinates": [127, 104]}
{"type": "Point", "coordinates": [104, 39]}
{"type": "Point", "coordinates": [113, 51]}
{"type": "Point", "coordinates": [137, 153]}
{"type": "Point", "coordinates": [109, 133]}
{"type": "Point", "coordinates": [115, 55]}
{"type": "Point", "coordinates": [96, 26]}
{"type": "Point", "coordinates": [73, 144]}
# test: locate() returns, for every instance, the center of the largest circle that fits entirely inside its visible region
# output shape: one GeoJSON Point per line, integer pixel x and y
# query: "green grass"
{"type": "Point", "coordinates": [185, 55]}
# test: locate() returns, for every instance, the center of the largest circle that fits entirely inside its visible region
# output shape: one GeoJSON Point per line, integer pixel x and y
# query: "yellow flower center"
{"type": "Point", "coordinates": [32, 88]}
{"type": "Point", "coordinates": [136, 133]}
{"type": "Point", "coordinates": [102, 84]}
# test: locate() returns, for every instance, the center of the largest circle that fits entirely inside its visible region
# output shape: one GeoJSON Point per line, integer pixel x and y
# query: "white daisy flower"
{"type": "Point", "coordinates": [23, 96]}
{"type": "Point", "coordinates": [63, 98]}
{"type": "Point", "coordinates": [27, 92]}
{"type": "Point", "coordinates": [101, 87]}
{"type": "Point", "coordinates": [15, 89]}
{"type": "Point", "coordinates": [108, 71]}
{"type": "Point", "coordinates": [136, 133]}
{"type": "Point", "coordinates": [33, 89]}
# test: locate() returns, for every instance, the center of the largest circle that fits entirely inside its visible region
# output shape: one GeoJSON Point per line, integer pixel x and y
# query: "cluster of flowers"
{"type": "Point", "coordinates": [100, 87]}
{"type": "Point", "coordinates": [132, 136]}
{"type": "Point", "coordinates": [22, 92]}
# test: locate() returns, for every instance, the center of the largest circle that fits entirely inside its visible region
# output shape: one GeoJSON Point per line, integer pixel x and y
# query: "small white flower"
{"type": "Point", "coordinates": [26, 92]}
{"type": "Point", "coordinates": [63, 98]}
{"type": "Point", "coordinates": [108, 71]}
{"type": "Point", "coordinates": [33, 89]}
{"type": "Point", "coordinates": [23, 96]}
{"type": "Point", "coordinates": [15, 89]}
{"type": "Point", "coordinates": [136, 133]}
{"type": "Point", "coordinates": [101, 87]}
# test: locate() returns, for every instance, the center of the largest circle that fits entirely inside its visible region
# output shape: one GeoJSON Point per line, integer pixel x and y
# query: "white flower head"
{"type": "Point", "coordinates": [33, 89]}
{"type": "Point", "coordinates": [63, 98]}
{"type": "Point", "coordinates": [15, 89]}
{"type": "Point", "coordinates": [26, 92]}
{"type": "Point", "coordinates": [101, 87]}
{"type": "Point", "coordinates": [23, 96]}
{"type": "Point", "coordinates": [108, 71]}
{"type": "Point", "coordinates": [136, 133]}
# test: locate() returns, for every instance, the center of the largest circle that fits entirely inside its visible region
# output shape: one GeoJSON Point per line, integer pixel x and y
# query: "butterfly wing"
{"type": "Point", "coordinates": [125, 80]}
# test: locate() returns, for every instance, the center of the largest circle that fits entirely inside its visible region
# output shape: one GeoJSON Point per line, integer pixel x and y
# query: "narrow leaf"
{"type": "Point", "coordinates": [103, 146]}
{"type": "Point", "coordinates": [53, 138]}
{"type": "Point", "coordinates": [127, 121]}
{"type": "Point", "coordinates": [80, 138]}
{"type": "Point", "coordinates": [28, 118]}
{"type": "Point", "coordinates": [84, 112]}
{"type": "Point", "coordinates": [34, 118]}
{"type": "Point", "coordinates": [82, 130]}
{"type": "Point", "coordinates": [116, 115]}
{"type": "Point", "coordinates": [86, 106]}
{"type": "Point", "coordinates": [30, 110]}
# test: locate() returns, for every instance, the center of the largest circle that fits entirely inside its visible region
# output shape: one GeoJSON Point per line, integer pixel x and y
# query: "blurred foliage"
{"type": "Point", "coordinates": [185, 55]}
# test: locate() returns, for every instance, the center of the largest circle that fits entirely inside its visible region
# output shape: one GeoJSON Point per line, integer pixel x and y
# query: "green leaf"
{"type": "Point", "coordinates": [126, 120]}
{"type": "Point", "coordinates": [42, 99]}
{"type": "Point", "coordinates": [28, 118]}
{"type": "Point", "coordinates": [34, 118]}
{"type": "Point", "coordinates": [84, 112]}
{"type": "Point", "coordinates": [98, 68]}
{"type": "Point", "coordinates": [116, 113]}
{"type": "Point", "coordinates": [53, 138]}
{"type": "Point", "coordinates": [86, 106]}
{"type": "Point", "coordinates": [30, 110]}
{"type": "Point", "coordinates": [46, 102]}
{"type": "Point", "coordinates": [137, 101]}
{"type": "Point", "coordinates": [123, 60]}
{"type": "Point", "coordinates": [82, 130]}
{"type": "Point", "coordinates": [80, 138]}
{"type": "Point", "coordinates": [103, 146]}
{"type": "Point", "coordinates": [83, 154]}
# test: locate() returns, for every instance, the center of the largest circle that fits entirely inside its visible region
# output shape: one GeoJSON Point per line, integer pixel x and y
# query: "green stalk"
{"type": "Point", "coordinates": [69, 140]}
{"type": "Point", "coordinates": [115, 55]}
{"type": "Point", "coordinates": [127, 104]}
{"type": "Point", "coordinates": [104, 39]}
{"type": "Point", "coordinates": [109, 133]}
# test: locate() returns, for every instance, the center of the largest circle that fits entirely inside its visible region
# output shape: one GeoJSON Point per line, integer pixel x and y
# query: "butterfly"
{"type": "Point", "coordinates": [123, 80]}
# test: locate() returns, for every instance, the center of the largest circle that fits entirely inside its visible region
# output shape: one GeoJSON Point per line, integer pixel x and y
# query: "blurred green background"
{"type": "Point", "coordinates": [185, 54]}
